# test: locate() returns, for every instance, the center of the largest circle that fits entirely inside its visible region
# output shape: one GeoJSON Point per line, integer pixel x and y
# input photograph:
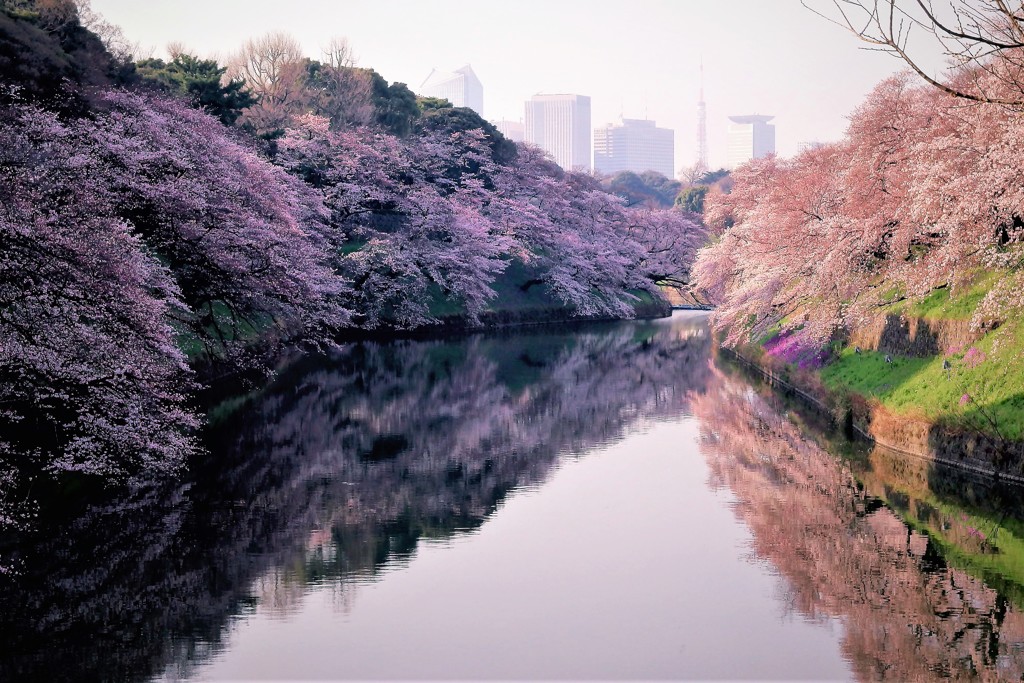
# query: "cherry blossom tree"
{"type": "Point", "coordinates": [922, 192]}
{"type": "Point", "coordinates": [780, 258]}
{"type": "Point", "coordinates": [128, 237]}
{"type": "Point", "coordinates": [433, 217]}
{"type": "Point", "coordinates": [565, 224]}
{"type": "Point", "coordinates": [91, 379]}
{"type": "Point", "coordinates": [406, 232]}
{"type": "Point", "coordinates": [246, 242]}
{"type": "Point", "coordinates": [668, 242]}
{"type": "Point", "coordinates": [589, 248]}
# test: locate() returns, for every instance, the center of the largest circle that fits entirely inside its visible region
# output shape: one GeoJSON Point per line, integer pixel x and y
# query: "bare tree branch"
{"type": "Point", "coordinates": [982, 39]}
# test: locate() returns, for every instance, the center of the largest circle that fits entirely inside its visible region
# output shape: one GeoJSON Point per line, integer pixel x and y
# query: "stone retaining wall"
{"type": "Point", "coordinates": [971, 451]}
{"type": "Point", "coordinates": [968, 450]}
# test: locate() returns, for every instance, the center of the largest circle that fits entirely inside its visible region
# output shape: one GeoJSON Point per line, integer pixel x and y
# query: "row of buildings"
{"type": "Point", "coordinates": [561, 125]}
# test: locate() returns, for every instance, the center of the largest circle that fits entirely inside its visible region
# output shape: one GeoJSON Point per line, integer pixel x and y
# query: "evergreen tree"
{"type": "Point", "coordinates": [202, 81]}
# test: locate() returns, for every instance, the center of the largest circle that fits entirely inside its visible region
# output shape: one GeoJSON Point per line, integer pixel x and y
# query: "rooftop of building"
{"type": "Point", "coordinates": [633, 123]}
{"type": "Point", "coordinates": [751, 118]}
{"type": "Point", "coordinates": [438, 77]}
{"type": "Point", "coordinates": [559, 96]}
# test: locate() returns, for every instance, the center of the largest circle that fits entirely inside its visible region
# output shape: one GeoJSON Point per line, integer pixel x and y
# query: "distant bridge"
{"type": "Point", "coordinates": [684, 299]}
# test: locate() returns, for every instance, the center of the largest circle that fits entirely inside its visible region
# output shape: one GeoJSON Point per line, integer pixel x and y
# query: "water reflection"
{"type": "Point", "coordinates": [913, 597]}
{"type": "Point", "coordinates": [337, 469]}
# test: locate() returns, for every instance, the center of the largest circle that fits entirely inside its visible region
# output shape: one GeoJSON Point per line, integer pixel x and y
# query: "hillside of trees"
{"type": "Point", "coordinates": [163, 213]}
{"type": "Point", "coordinates": [913, 226]}
{"type": "Point", "coordinates": [922, 193]}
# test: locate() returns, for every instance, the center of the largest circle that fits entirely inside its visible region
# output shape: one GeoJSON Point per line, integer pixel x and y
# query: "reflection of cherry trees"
{"type": "Point", "coordinates": [342, 465]}
{"type": "Point", "coordinates": [907, 615]}
{"type": "Point", "coordinates": [429, 436]}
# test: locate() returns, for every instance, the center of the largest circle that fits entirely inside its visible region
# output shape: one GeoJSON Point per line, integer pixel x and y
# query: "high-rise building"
{"type": "Point", "coordinates": [513, 130]}
{"type": "Point", "coordinates": [460, 87]}
{"type": "Point", "coordinates": [634, 145]}
{"type": "Point", "coordinates": [750, 137]}
{"type": "Point", "coordinates": [702, 126]}
{"type": "Point", "coordinates": [560, 125]}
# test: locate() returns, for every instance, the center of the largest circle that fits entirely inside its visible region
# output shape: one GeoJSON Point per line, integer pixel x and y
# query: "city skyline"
{"type": "Point", "coordinates": [513, 130]}
{"type": "Point", "coordinates": [751, 55]}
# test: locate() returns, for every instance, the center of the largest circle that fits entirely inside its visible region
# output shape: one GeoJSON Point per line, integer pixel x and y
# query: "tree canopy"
{"type": "Point", "coordinates": [650, 188]}
{"type": "Point", "coordinates": [202, 81]}
{"type": "Point", "coordinates": [921, 193]}
{"type": "Point", "coordinates": [440, 116]}
{"type": "Point", "coordinates": [143, 236]}
{"type": "Point", "coordinates": [50, 57]}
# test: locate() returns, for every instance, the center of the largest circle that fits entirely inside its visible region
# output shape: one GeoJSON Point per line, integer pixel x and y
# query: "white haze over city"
{"type": "Point", "coordinates": [638, 59]}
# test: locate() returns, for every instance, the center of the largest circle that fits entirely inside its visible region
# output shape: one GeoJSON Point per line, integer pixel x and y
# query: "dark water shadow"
{"type": "Point", "coordinates": [987, 447]}
{"type": "Point", "coordinates": [335, 470]}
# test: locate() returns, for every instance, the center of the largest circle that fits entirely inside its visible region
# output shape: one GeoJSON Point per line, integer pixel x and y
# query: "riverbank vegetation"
{"type": "Point", "coordinates": [912, 226]}
{"type": "Point", "coordinates": [160, 216]}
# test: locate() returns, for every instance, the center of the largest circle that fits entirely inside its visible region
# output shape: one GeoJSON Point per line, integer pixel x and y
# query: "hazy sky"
{"type": "Point", "coordinates": [638, 58]}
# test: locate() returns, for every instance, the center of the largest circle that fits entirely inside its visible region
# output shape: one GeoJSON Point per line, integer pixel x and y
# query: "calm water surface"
{"type": "Point", "coordinates": [608, 502]}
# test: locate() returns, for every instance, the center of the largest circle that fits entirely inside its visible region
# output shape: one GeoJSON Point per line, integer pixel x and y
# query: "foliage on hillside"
{"type": "Point", "coordinates": [139, 232]}
{"type": "Point", "coordinates": [91, 378]}
{"type": "Point", "coordinates": [980, 387]}
{"type": "Point", "coordinates": [48, 55]}
{"type": "Point", "coordinates": [201, 81]}
{"type": "Point", "coordinates": [649, 189]}
{"type": "Point", "coordinates": [921, 194]}
{"type": "Point", "coordinates": [915, 213]}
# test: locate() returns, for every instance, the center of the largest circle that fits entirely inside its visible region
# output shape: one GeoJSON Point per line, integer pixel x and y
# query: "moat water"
{"type": "Point", "coordinates": [600, 502]}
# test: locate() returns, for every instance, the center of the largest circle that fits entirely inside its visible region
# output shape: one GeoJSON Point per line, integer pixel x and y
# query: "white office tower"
{"type": "Point", "coordinates": [460, 87]}
{"type": "Point", "coordinates": [513, 130]}
{"type": "Point", "coordinates": [560, 125]}
{"type": "Point", "coordinates": [634, 145]}
{"type": "Point", "coordinates": [750, 137]}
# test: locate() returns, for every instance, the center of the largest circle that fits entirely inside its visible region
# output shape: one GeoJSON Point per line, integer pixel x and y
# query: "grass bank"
{"type": "Point", "coordinates": [973, 386]}
{"type": "Point", "coordinates": [977, 386]}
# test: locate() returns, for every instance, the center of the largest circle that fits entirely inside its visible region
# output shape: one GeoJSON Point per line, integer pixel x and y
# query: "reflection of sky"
{"type": "Point", "coordinates": [624, 564]}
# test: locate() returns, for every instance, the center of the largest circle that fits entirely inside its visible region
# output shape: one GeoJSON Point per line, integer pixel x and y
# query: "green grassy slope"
{"type": "Point", "coordinates": [982, 388]}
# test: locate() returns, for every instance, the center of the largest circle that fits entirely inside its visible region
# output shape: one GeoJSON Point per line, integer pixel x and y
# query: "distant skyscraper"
{"type": "Point", "coordinates": [560, 125]}
{"type": "Point", "coordinates": [634, 145]}
{"type": "Point", "coordinates": [460, 87]}
{"type": "Point", "coordinates": [513, 130]}
{"type": "Point", "coordinates": [750, 137]}
{"type": "Point", "coordinates": [702, 125]}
